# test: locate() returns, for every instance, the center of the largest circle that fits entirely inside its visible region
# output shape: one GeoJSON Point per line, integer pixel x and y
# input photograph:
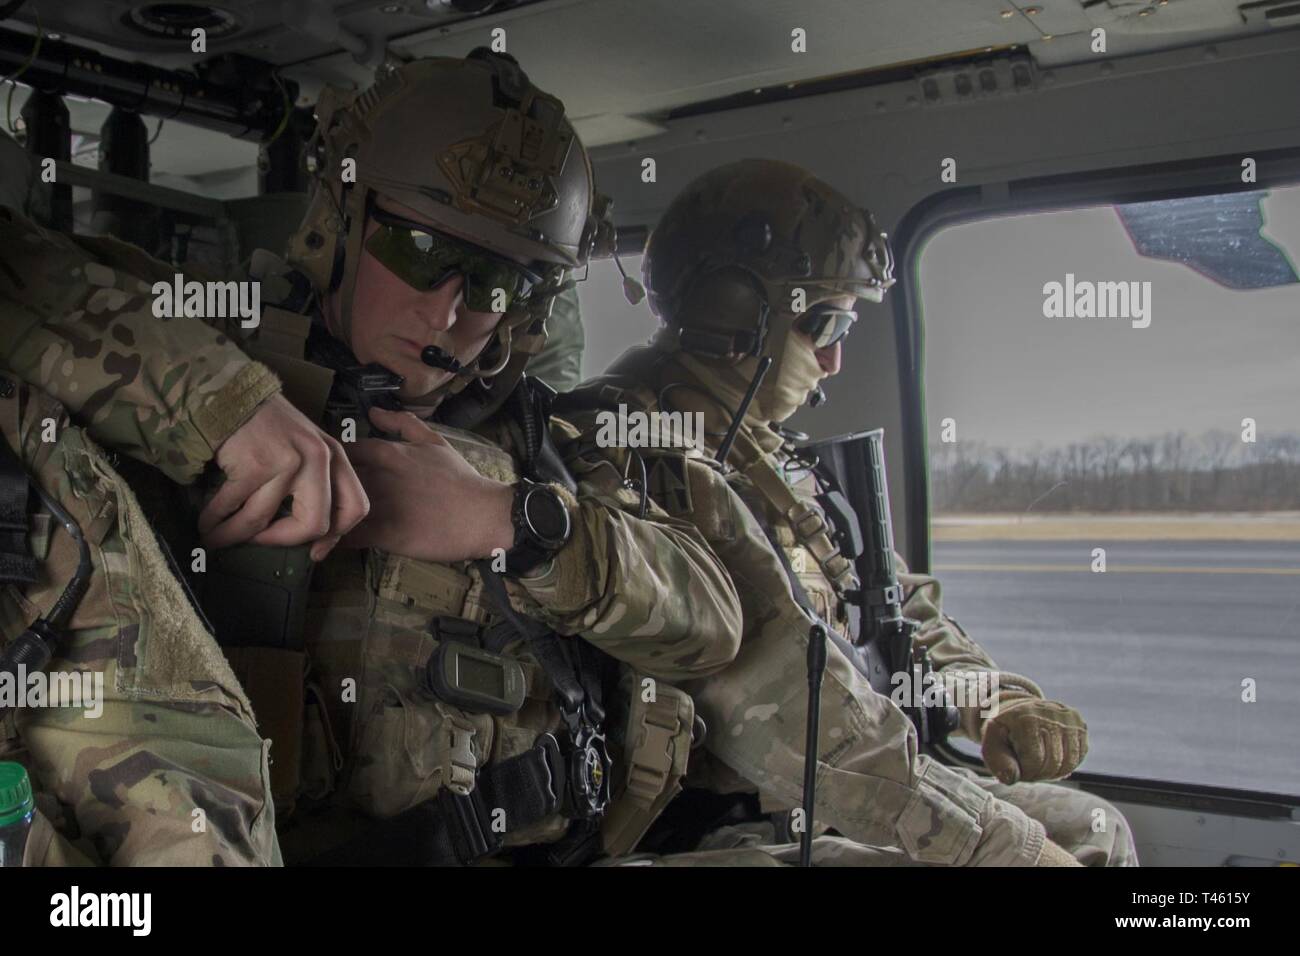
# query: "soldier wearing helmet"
{"type": "Point", "coordinates": [480, 643]}
{"type": "Point", "coordinates": [756, 266]}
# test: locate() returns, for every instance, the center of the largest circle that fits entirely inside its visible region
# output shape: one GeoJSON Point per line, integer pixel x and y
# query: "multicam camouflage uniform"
{"type": "Point", "coordinates": [177, 733]}
{"type": "Point", "coordinates": [893, 804]}
{"type": "Point", "coordinates": [644, 590]}
{"type": "Point", "coordinates": [873, 786]}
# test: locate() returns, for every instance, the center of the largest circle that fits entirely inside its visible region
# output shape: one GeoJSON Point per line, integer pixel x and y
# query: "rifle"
{"type": "Point", "coordinates": [856, 501]}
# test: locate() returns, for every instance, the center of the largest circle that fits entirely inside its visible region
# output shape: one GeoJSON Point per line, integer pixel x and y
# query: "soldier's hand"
{"type": "Point", "coordinates": [427, 501]}
{"type": "Point", "coordinates": [275, 454]}
{"type": "Point", "coordinates": [1033, 739]}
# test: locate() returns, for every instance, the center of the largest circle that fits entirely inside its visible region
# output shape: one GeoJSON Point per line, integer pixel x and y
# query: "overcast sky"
{"type": "Point", "coordinates": [1211, 356]}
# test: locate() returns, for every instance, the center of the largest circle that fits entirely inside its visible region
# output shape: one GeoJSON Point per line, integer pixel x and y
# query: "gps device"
{"type": "Point", "coordinates": [475, 680]}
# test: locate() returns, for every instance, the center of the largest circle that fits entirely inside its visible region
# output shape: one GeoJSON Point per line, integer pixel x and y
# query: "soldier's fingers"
{"type": "Point", "coordinates": [351, 504]}
{"type": "Point", "coordinates": [372, 453]}
{"type": "Point", "coordinates": [310, 520]}
{"type": "Point", "coordinates": [407, 425]}
{"type": "Point", "coordinates": [1033, 748]}
{"type": "Point", "coordinates": [1056, 750]}
{"type": "Point", "coordinates": [321, 549]}
{"type": "Point", "coordinates": [313, 499]}
{"type": "Point", "coordinates": [229, 498]}
{"type": "Point", "coordinates": [998, 756]}
{"type": "Point", "coordinates": [1047, 752]}
{"type": "Point", "coordinates": [376, 484]}
{"type": "Point", "coordinates": [289, 531]}
{"type": "Point", "coordinates": [252, 517]}
{"type": "Point", "coordinates": [1074, 748]}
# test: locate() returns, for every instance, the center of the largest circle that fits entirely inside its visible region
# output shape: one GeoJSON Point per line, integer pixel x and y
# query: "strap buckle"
{"type": "Point", "coordinates": [806, 522]}
{"type": "Point", "coordinates": [652, 756]}
{"type": "Point", "coordinates": [459, 762]}
{"type": "Point", "coordinates": [445, 627]}
{"type": "Point", "coordinates": [588, 768]}
{"type": "Point", "coordinates": [469, 825]}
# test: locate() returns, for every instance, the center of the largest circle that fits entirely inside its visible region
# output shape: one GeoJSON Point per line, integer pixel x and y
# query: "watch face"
{"type": "Point", "coordinates": [547, 516]}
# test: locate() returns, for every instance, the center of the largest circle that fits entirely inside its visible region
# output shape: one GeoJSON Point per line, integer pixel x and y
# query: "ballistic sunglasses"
{"type": "Point", "coordinates": [825, 324]}
{"type": "Point", "coordinates": [424, 259]}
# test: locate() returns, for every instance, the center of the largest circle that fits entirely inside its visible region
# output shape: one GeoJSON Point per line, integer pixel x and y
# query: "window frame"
{"type": "Point", "coordinates": [1216, 175]}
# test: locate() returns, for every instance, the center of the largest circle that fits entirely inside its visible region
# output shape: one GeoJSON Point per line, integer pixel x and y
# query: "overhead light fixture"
{"type": "Point", "coordinates": [178, 21]}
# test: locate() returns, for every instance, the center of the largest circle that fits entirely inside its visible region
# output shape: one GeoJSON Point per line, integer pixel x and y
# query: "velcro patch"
{"type": "Point", "coordinates": [669, 485]}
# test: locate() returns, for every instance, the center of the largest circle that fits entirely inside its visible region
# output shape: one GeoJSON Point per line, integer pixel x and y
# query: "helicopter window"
{"type": "Point", "coordinates": [616, 324]}
{"type": "Point", "coordinates": [1113, 419]}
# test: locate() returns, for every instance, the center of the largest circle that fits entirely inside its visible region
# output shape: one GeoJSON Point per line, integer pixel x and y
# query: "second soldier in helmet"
{"type": "Point", "coordinates": [760, 262]}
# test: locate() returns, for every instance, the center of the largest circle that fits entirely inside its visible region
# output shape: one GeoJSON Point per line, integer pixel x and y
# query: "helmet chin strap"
{"type": "Point", "coordinates": [353, 226]}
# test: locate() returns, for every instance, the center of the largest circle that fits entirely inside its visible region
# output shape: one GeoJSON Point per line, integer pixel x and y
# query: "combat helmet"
{"type": "Point", "coordinates": [750, 251]}
{"type": "Point", "coordinates": [473, 147]}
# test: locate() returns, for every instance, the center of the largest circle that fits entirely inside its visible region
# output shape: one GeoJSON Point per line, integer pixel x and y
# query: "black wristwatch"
{"type": "Point", "coordinates": [542, 526]}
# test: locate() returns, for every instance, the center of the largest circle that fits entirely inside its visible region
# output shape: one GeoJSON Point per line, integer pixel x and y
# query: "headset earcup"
{"type": "Point", "coordinates": [723, 312]}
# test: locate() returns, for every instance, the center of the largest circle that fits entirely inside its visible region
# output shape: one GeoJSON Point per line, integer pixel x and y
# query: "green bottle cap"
{"type": "Point", "coordinates": [15, 793]}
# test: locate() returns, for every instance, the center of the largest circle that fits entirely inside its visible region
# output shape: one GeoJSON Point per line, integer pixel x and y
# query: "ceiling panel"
{"type": "Point", "coordinates": [637, 57]}
{"type": "Point", "coordinates": [622, 64]}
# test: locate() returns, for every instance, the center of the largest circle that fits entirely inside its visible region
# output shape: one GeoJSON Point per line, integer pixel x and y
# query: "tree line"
{"type": "Point", "coordinates": [1216, 471]}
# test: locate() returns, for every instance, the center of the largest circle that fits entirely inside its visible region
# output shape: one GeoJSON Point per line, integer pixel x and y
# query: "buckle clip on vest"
{"type": "Point", "coordinates": [367, 387]}
{"type": "Point", "coordinates": [587, 762]}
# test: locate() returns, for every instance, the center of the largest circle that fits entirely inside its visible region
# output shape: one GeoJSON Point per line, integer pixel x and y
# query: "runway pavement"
{"type": "Point", "coordinates": [1154, 651]}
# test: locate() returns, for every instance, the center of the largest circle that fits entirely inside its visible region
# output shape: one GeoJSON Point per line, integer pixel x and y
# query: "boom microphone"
{"type": "Point", "coordinates": [440, 358]}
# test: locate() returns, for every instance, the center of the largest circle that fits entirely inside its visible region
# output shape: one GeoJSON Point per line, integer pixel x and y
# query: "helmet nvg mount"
{"type": "Point", "coordinates": [737, 244]}
{"type": "Point", "coordinates": [477, 151]}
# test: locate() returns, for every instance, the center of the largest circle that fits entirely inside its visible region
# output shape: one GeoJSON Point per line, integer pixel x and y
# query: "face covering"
{"type": "Point", "coordinates": [787, 385]}
{"type": "Point", "coordinates": [785, 388]}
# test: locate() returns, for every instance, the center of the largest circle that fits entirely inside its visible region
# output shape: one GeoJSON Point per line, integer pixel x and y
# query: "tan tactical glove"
{"type": "Point", "coordinates": [1033, 739]}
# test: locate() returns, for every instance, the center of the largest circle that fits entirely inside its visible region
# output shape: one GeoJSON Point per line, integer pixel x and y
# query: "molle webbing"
{"type": "Point", "coordinates": [810, 528]}
{"type": "Point", "coordinates": [656, 748]}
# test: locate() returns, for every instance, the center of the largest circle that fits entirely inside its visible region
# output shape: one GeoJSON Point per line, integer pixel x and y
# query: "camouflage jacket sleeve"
{"type": "Point", "coordinates": [144, 749]}
{"type": "Point", "coordinates": [77, 321]}
{"type": "Point", "coordinates": [648, 591]}
{"type": "Point", "coordinates": [951, 649]}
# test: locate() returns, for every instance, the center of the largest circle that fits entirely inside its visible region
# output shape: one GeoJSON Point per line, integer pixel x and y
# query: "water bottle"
{"type": "Point", "coordinates": [16, 811]}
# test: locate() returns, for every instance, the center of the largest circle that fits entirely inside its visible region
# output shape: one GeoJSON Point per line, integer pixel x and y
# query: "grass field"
{"type": "Point", "coordinates": [1240, 526]}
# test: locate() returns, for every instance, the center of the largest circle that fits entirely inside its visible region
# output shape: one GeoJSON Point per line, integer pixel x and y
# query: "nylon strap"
{"type": "Point", "coordinates": [865, 659]}
{"type": "Point", "coordinates": [452, 829]}
{"type": "Point", "coordinates": [810, 528]}
{"type": "Point", "coordinates": [543, 642]}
